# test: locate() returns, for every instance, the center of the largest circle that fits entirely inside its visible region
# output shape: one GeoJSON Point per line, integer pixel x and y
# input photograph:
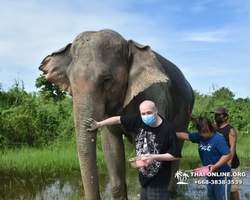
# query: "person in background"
{"type": "Point", "coordinates": [215, 153]}
{"type": "Point", "coordinates": [155, 137]}
{"type": "Point", "coordinates": [229, 133]}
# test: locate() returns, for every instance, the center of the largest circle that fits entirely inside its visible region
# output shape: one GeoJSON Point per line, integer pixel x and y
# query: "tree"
{"type": "Point", "coordinates": [223, 93]}
{"type": "Point", "coordinates": [50, 90]}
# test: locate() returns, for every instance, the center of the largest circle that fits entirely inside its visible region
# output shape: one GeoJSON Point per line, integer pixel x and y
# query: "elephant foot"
{"type": "Point", "coordinates": [119, 193]}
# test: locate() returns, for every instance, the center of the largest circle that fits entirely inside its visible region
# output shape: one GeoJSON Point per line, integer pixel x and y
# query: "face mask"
{"type": "Point", "coordinates": [218, 119]}
{"type": "Point", "coordinates": [149, 120]}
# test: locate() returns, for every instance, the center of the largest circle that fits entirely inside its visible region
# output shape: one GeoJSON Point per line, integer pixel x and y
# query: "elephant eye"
{"type": "Point", "coordinates": [107, 83]}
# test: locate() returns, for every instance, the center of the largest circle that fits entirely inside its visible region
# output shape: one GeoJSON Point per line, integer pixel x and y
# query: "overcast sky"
{"type": "Point", "coordinates": [208, 40]}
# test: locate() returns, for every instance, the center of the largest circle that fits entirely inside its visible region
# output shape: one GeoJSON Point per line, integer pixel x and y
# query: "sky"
{"type": "Point", "coordinates": [208, 40]}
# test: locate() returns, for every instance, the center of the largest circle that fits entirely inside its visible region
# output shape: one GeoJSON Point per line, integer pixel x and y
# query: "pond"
{"type": "Point", "coordinates": [69, 185]}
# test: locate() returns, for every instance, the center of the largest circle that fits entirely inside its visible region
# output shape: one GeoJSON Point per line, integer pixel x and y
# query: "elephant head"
{"type": "Point", "coordinates": [103, 72]}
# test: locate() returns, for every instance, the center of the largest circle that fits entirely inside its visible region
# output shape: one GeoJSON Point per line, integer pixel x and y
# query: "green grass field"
{"type": "Point", "coordinates": [63, 156]}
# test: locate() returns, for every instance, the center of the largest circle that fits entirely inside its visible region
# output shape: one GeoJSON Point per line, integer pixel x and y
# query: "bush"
{"type": "Point", "coordinates": [37, 119]}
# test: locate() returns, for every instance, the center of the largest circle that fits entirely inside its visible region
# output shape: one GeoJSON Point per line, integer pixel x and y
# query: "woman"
{"type": "Point", "coordinates": [215, 153]}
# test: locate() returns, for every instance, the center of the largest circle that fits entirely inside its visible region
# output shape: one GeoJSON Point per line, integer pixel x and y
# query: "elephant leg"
{"type": "Point", "coordinates": [113, 150]}
{"type": "Point", "coordinates": [172, 188]}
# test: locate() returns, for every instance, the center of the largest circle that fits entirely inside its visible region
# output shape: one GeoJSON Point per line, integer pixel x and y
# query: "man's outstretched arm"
{"type": "Point", "coordinates": [92, 124]}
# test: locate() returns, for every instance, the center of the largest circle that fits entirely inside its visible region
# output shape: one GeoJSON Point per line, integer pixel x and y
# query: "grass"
{"type": "Point", "coordinates": [62, 156]}
{"type": "Point", "coordinates": [48, 159]}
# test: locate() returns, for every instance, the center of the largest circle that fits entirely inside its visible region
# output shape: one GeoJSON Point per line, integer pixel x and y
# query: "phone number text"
{"type": "Point", "coordinates": [218, 182]}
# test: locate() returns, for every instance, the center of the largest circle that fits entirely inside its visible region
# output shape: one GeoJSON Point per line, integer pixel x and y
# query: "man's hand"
{"type": "Point", "coordinates": [91, 123]}
{"type": "Point", "coordinates": [150, 159]}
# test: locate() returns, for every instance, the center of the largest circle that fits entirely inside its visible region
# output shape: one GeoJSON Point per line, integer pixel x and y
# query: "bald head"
{"type": "Point", "coordinates": [147, 108]}
{"type": "Point", "coordinates": [147, 104]}
{"type": "Point", "coordinates": [149, 113]}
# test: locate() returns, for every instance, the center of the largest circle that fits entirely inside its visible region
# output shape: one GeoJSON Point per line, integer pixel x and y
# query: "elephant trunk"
{"type": "Point", "coordinates": [87, 106]}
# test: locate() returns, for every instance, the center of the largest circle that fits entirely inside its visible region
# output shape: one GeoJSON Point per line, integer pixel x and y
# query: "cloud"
{"type": "Point", "coordinates": [208, 40]}
{"type": "Point", "coordinates": [205, 37]}
{"type": "Point", "coordinates": [197, 9]}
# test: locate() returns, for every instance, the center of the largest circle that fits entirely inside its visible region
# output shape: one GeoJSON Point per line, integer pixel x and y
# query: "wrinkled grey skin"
{"type": "Point", "coordinates": [109, 76]}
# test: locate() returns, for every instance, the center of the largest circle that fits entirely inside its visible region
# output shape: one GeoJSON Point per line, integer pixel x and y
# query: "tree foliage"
{"type": "Point", "coordinates": [49, 90]}
{"type": "Point", "coordinates": [42, 118]}
{"type": "Point", "coordinates": [26, 118]}
{"type": "Point", "coordinates": [239, 109]}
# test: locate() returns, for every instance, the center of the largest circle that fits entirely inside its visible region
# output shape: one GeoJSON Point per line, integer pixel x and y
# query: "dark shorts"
{"type": "Point", "coordinates": [154, 193]}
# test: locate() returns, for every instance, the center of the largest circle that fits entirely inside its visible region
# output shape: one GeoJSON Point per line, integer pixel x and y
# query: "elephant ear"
{"type": "Point", "coordinates": [145, 70]}
{"type": "Point", "coordinates": [55, 68]}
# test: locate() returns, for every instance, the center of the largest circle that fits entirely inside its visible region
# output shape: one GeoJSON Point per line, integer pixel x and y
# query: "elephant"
{"type": "Point", "coordinates": [110, 76]}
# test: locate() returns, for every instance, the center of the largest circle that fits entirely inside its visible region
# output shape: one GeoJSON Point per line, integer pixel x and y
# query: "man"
{"type": "Point", "coordinates": [229, 133]}
{"type": "Point", "coordinates": [162, 147]}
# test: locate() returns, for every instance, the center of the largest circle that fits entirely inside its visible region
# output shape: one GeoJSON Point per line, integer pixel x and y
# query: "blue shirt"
{"type": "Point", "coordinates": [211, 150]}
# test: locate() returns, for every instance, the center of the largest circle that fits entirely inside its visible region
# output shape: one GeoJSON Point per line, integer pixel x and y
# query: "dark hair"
{"type": "Point", "coordinates": [204, 124]}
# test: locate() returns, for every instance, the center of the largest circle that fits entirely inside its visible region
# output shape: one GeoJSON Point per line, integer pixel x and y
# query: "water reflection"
{"type": "Point", "coordinates": [69, 185]}
{"type": "Point", "coordinates": [199, 191]}
{"type": "Point", "coordinates": [39, 186]}
{"type": "Point", "coordinates": [55, 191]}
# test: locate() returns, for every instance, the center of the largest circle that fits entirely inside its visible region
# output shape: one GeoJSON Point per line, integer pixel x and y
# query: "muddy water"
{"type": "Point", "coordinates": [198, 191]}
{"type": "Point", "coordinates": [69, 185]}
